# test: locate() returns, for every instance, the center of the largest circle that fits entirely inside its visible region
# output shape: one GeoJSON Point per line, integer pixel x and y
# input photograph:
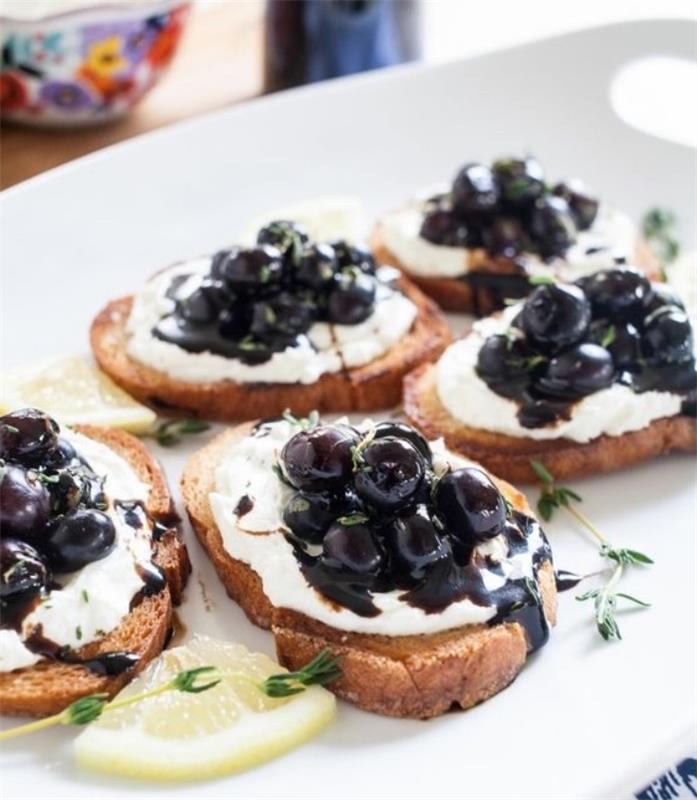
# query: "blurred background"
{"type": "Point", "coordinates": [78, 75]}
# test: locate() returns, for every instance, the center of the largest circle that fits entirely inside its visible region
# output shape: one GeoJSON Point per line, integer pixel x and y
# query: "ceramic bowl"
{"type": "Point", "coordinates": [89, 63]}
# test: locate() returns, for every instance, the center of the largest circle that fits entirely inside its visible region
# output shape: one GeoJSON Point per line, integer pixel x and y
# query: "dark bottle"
{"type": "Point", "coordinates": [311, 40]}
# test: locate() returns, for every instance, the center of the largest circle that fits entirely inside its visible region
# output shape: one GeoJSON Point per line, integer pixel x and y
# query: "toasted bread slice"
{"type": "Point", "coordinates": [401, 676]}
{"type": "Point", "coordinates": [510, 456]}
{"type": "Point", "coordinates": [374, 385]}
{"type": "Point", "coordinates": [481, 298]}
{"type": "Point", "coordinates": [49, 686]}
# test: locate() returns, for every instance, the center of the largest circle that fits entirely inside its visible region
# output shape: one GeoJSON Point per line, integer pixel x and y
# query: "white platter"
{"type": "Point", "coordinates": [585, 719]}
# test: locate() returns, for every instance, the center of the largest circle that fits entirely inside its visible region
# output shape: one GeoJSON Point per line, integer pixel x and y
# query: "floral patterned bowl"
{"type": "Point", "coordinates": [89, 63]}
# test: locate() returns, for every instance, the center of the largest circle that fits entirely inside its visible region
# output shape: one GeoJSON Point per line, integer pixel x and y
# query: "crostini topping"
{"type": "Point", "coordinates": [254, 302]}
{"type": "Point", "coordinates": [567, 342]}
{"type": "Point", "coordinates": [372, 512]}
{"type": "Point", "coordinates": [66, 542]}
{"type": "Point", "coordinates": [508, 208]}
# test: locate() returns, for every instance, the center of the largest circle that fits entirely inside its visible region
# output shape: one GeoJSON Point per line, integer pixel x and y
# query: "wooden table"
{"type": "Point", "coordinates": [219, 63]}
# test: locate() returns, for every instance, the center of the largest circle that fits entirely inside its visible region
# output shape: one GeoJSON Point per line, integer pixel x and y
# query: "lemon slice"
{"type": "Point", "coordinates": [73, 390]}
{"type": "Point", "coordinates": [326, 218]}
{"type": "Point", "coordinates": [182, 736]}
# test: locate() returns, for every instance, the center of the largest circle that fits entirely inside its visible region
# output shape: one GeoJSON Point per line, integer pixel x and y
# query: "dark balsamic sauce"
{"type": "Point", "coordinates": [244, 505]}
{"type": "Point", "coordinates": [565, 580]}
{"type": "Point", "coordinates": [460, 577]}
{"type": "Point", "coordinates": [111, 663]}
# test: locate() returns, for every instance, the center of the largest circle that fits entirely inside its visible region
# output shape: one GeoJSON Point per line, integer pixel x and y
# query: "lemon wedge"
{"type": "Point", "coordinates": [73, 390]}
{"type": "Point", "coordinates": [182, 736]}
{"type": "Point", "coordinates": [326, 218]}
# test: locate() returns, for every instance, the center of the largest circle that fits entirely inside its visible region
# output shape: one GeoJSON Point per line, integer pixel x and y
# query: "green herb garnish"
{"type": "Point", "coordinates": [541, 280]}
{"type": "Point", "coordinates": [170, 432]}
{"type": "Point", "coordinates": [323, 669]}
{"type": "Point", "coordinates": [609, 336]}
{"type": "Point", "coordinates": [352, 519]}
{"type": "Point", "coordinates": [658, 227]}
{"type": "Point", "coordinates": [605, 598]}
{"type": "Point", "coordinates": [304, 423]}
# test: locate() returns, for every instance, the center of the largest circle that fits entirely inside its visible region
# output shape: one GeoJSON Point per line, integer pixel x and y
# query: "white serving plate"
{"type": "Point", "coordinates": [585, 719]}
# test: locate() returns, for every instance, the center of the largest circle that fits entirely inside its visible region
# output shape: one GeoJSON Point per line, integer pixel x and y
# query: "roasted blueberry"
{"type": "Point", "coordinates": [281, 317]}
{"type": "Point", "coordinates": [288, 237]}
{"type": "Point", "coordinates": [578, 371]}
{"type": "Point", "coordinates": [470, 506]}
{"type": "Point", "coordinates": [583, 206]}
{"type": "Point", "coordinates": [520, 181]}
{"type": "Point", "coordinates": [351, 298]}
{"type": "Point", "coordinates": [505, 364]}
{"type": "Point", "coordinates": [668, 336]}
{"type": "Point", "coordinates": [309, 514]}
{"type": "Point", "coordinates": [403, 431]}
{"type": "Point", "coordinates": [23, 576]}
{"type": "Point", "coordinates": [316, 266]}
{"type": "Point", "coordinates": [414, 546]}
{"type": "Point", "coordinates": [551, 225]}
{"type": "Point", "coordinates": [253, 268]}
{"type": "Point", "coordinates": [617, 293]}
{"type": "Point", "coordinates": [622, 339]}
{"type": "Point", "coordinates": [67, 489]}
{"type": "Point", "coordinates": [351, 255]}
{"type": "Point", "coordinates": [505, 236]}
{"type": "Point", "coordinates": [63, 455]}
{"type": "Point", "coordinates": [662, 295]}
{"type": "Point", "coordinates": [389, 473]}
{"type": "Point", "coordinates": [78, 539]}
{"type": "Point", "coordinates": [203, 305]}
{"type": "Point", "coordinates": [444, 227]}
{"type": "Point", "coordinates": [474, 190]}
{"type": "Point", "coordinates": [25, 504]}
{"type": "Point", "coordinates": [321, 458]}
{"type": "Point", "coordinates": [352, 549]}
{"type": "Point", "coordinates": [27, 435]}
{"type": "Point", "coordinates": [555, 316]}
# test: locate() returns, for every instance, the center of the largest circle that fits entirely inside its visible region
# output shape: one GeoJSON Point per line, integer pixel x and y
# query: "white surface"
{"type": "Point", "coordinates": [585, 719]}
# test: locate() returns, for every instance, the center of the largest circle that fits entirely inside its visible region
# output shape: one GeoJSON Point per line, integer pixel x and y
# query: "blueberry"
{"type": "Point", "coordinates": [25, 504]}
{"type": "Point", "coordinates": [583, 207]}
{"type": "Point", "coordinates": [316, 266]}
{"type": "Point", "coordinates": [617, 293]}
{"type": "Point", "coordinates": [79, 538]}
{"type": "Point", "coordinates": [520, 181]}
{"type": "Point", "coordinates": [309, 514]}
{"type": "Point", "coordinates": [414, 546]}
{"type": "Point", "coordinates": [470, 505]}
{"type": "Point", "coordinates": [475, 190]}
{"type": "Point", "coordinates": [288, 237]}
{"type": "Point", "coordinates": [321, 458]}
{"type": "Point", "coordinates": [63, 455]}
{"type": "Point", "coordinates": [505, 236]}
{"type": "Point", "coordinates": [552, 226]}
{"type": "Point", "coordinates": [621, 339]}
{"type": "Point", "coordinates": [662, 295]}
{"type": "Point", "coordinates": [667, 336]}
{"type": "Point", "coordinates": [403, 431]}
{"type": "Point", "coordinates": [504, 363]}
{"type": "Point", "coordinates": [352, 549]}
{"type": "Point", "coordinates": [446, 228]}
{"type": "Point", "coordinates": [351, 255]}
{"type": "Point", "coordinates": [581, 370]}
{"type": "Point", "coordinates": [27, 435]}
{"type": "Point", "coordinates": [254, 268]}
{"type": "Point", "coordinates": [203, 305]}
{"type": "Point", "coordinates": [351, 298]}
{"type": "Point", "coordinates": [390, 471]}
{"type": "Point", "coordinates": [24, 576]}
{"type": "Point", "coordinates": [281, 318]}
{"type": "Point", "coordinates": [555, 316]}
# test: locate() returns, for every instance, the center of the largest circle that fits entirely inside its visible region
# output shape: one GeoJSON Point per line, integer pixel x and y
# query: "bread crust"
{"type": "Point", "coordinates": [402, 676]}
{"type": "Point", "coordinates": [510, 456]}
{"type": "Point", "coordinates": [377, 384]}
{"type": "Point", "coordinates": [49, 686]}
{"type": "Point", "coordinates": [453, 294]}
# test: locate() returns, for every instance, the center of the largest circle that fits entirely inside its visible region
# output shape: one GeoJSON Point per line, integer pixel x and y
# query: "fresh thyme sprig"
{"type": "Point", "coordinates": [605, 598]}
{"type": "Point", "coordinates": [171, 431]}
{"type": "Point", "coordinates": [541, 280]}
{"type": "Point", "coordinates": [658, 227]}
{"type": "Point", "coordinates": [357, 461]}
{"type": "Point", "coordinates": [305, 423]}
{"type": "Point", "coordinates": [323, 669]}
